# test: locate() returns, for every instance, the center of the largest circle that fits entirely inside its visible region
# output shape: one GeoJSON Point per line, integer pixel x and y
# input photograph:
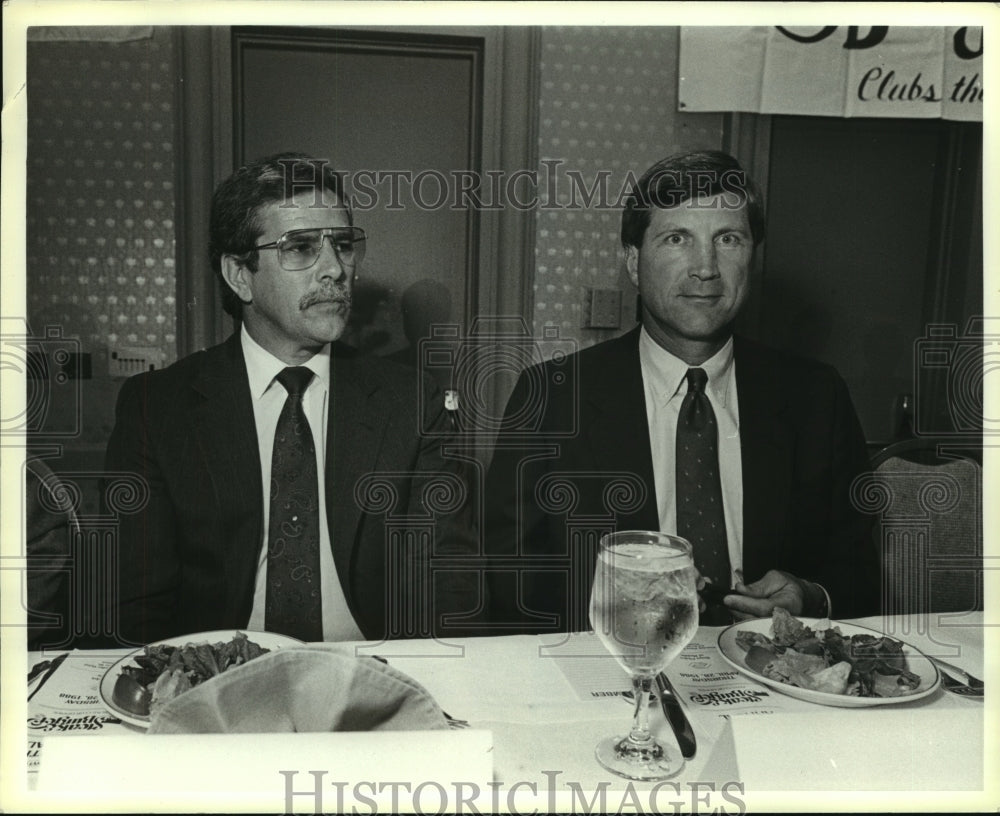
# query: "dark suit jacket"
{"type": "Point", "coordinates": [573, 461]}
{"type": "Point", "coordinates": [187, 560]}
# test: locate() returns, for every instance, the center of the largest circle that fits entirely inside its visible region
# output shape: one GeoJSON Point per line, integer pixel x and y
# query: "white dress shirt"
{"type": "Point", "coordinates": [664, 379]}
{"type": "Point", "coordinates": [268, 399]}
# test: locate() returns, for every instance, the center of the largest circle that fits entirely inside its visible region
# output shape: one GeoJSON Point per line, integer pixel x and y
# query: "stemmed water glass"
{"type": "Point", "coordinates": [644, 608]}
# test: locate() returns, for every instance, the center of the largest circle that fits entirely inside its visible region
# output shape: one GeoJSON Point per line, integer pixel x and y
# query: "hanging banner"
{"type": "Point", "coordinates": [881, 71]}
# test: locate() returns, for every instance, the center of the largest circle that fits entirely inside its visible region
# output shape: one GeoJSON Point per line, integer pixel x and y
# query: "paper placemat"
{"type": "Point", "coordinates": [700, 676]}
{"type": "Point", "coordinates": [68, 705]}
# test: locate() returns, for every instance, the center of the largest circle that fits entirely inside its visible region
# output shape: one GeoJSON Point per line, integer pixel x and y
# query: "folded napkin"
{"type": "Point", "coordinates": [316, 687]}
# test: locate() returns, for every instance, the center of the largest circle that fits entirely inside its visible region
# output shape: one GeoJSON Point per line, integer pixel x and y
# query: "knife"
{"type": "Point", "coordinates": [970, 679]}
{"type": "Point", "coordinates": [55, 664]}
{"type": "Point", "coordinates": [676, 717]}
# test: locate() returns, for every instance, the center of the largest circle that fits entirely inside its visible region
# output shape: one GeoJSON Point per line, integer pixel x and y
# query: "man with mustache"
{"type": "Point", "coordinates": [682, 427]}
{"type": "Point", "coordinates": [275, 461]}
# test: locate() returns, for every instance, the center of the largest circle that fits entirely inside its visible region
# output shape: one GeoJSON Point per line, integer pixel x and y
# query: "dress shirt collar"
{"type": "Point", "coordinates": [263, 367]}
{"type": "Point", "coordinates": [666, 374]}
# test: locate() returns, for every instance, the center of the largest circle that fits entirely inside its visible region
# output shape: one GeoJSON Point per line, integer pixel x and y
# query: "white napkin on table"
{"type": "Point", "coordinates": [309, 688]}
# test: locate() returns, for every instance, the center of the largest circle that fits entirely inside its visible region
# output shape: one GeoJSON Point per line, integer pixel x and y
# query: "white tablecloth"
{"type": "Point", "coordinates": [545, 701]}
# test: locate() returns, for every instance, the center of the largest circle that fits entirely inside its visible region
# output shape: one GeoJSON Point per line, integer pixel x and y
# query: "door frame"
{"type": "Point", "coordinates": [747, 137]}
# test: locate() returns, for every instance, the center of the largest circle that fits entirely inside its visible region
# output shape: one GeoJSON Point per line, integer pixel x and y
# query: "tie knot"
{"type": "Point", "coordinates": [295, 379]}
{"type": "Point", "coordinates": [697, 378]}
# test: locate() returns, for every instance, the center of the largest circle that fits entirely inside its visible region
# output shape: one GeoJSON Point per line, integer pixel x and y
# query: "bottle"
{"type": "Point", "coordinates": [904, 417]}
{"type": "Point", "coordinates": [451, 405]}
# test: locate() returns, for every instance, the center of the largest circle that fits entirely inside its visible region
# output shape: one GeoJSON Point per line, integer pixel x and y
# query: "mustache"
{"type": "Point", "coordinates": [337, 295]}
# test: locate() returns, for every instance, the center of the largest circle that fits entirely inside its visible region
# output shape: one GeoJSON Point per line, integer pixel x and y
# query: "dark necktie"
{"type": "Point", "coordinates": [700, 516]}
{"type": "Point", "coordinates": [292, 604]}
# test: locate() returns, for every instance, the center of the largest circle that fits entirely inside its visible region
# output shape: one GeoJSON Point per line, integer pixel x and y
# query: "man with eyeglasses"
{"type": "Point", "coordinates": [290, 488]}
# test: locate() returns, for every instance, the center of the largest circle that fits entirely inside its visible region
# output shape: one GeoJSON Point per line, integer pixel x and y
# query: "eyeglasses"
{"type": "Point", "coordinates": [300, 249]}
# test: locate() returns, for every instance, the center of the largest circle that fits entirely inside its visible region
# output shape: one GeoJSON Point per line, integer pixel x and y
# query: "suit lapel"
{"type": "Point", "coordinates": [356, 424]}
{"type": "Point", "coordinates": [224, 425]}
{"type": "Point", "coordinates": [766, 452]}
{"type": "Point", "coordinates": [613, 418]}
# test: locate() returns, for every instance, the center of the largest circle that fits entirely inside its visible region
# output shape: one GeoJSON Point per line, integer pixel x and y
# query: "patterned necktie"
{"type": "Point", "coordinates": [292, 604]}
{"type": "Point", "coordinates": [700, 516]}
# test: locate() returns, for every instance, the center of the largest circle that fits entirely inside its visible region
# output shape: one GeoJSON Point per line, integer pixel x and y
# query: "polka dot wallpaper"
{"type": "Point", "coordinates": [100, 192]}
{"type": "Point", "coordinates": [608, 107]}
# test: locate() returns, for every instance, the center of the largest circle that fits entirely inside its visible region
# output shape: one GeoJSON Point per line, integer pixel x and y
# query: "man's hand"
{"type": "Point", "coordinates": [776, 588]}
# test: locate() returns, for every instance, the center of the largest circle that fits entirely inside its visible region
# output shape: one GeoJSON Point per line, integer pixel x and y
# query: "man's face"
{"type": "Point", "coordinates": [293, 314]}
{"type": "Point", "coordinates": [692, 273]}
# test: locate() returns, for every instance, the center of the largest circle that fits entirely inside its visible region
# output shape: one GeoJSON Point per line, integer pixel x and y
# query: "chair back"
{"type": "Point", "coordinates": [50, 527]}
{"type": "Point", "coordinates": [927, 493]}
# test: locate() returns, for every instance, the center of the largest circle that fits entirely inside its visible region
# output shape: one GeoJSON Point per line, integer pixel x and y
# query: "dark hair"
{"type": "Point", "coordinates": [234, 226]}
{"type": "Point", "coordinates": [673, 180]}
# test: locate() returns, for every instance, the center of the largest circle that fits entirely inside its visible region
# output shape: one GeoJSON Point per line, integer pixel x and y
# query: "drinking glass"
{"type": "Point", "coordinates": [644, 608]}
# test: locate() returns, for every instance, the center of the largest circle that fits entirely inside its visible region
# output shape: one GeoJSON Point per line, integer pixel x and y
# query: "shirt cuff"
{"type": "Point", "coordinates": [823, 612]}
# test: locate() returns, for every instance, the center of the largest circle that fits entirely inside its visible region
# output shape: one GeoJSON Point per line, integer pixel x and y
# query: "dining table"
{"type": "Point", "coordinates": [526, 713]}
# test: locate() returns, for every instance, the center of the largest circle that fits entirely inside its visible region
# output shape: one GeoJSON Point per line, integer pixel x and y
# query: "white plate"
{"type": "Point", "coordinates": [916, 662]}
{"type": "Point", "coordinates": [266, 640]}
